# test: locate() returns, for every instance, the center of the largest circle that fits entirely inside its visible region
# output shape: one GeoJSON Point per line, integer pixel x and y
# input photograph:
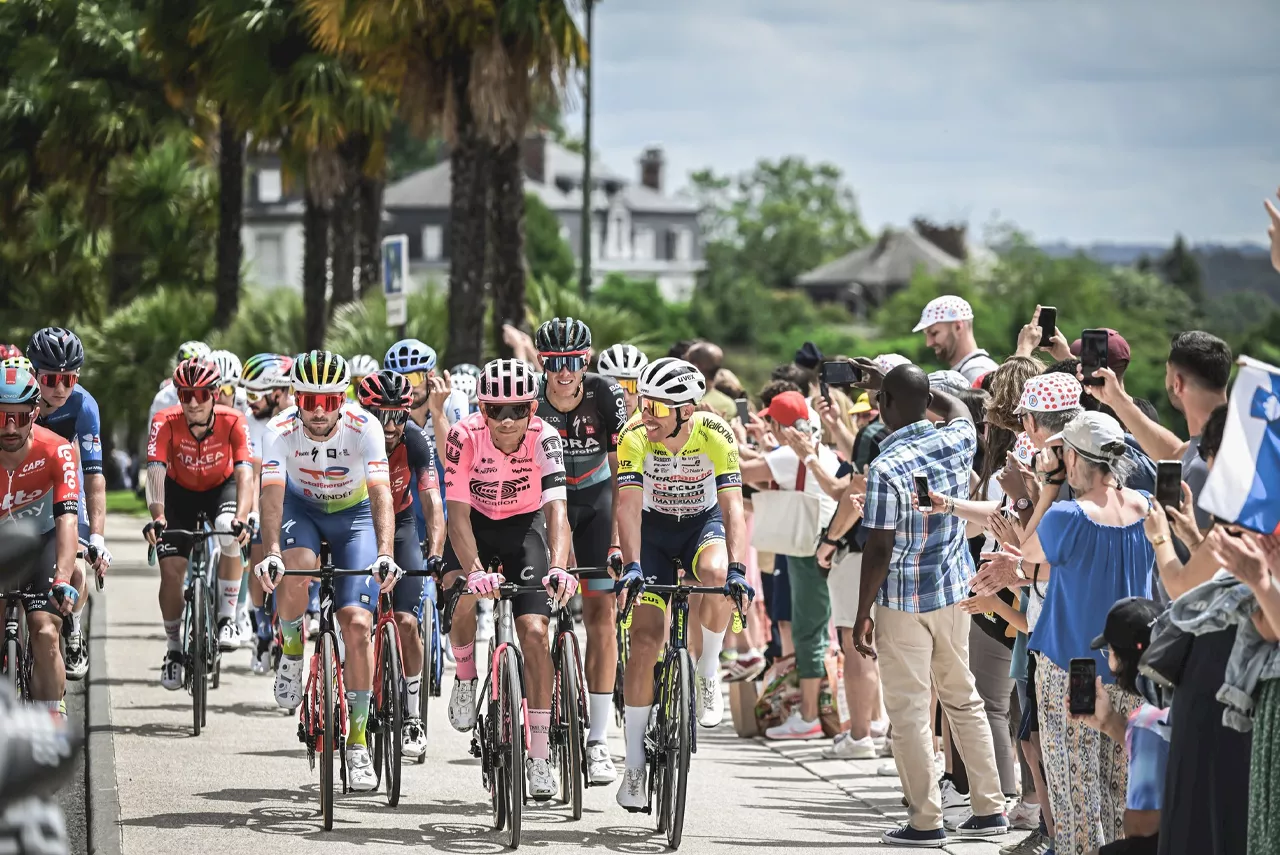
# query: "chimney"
{"type": "Point", "coordinates": [651, 163]}
{"type": "Point", "coordinates": [533, 157]}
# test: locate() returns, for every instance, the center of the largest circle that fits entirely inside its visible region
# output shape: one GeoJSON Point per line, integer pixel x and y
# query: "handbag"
{"type": "Point", "coordinates": [1166, 658]}
{"type": "Point", "coordinates": [787, 522]}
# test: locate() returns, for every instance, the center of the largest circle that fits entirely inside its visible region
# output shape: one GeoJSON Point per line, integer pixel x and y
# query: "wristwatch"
{"type": "Point", "coordinates": [826, 540]}
{"type": "Point", "coordinates": [1022, 504]}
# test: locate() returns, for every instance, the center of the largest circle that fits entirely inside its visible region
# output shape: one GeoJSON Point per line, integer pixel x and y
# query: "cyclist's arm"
{"type": "Point", "coordinates": [157, 466]}
{"type": "Point", "coordinates": [613, 485]}
{"type": "Point", "coordinates": [377, 477]}
{"type": "Point", "coordinates": [735, 525]}
{"type": "Point", "coordinates": [245, 498]}
{"type": "Point", "coordinates": [555, 495]}
{"type": "Point", "coordinates": [728, 475]}
{"type": "Point", "coordinates": [613, 411]}
{"type": "Point", "coordinates": [422, 469]}
{"type": "Point", "coordinates": [66, 529]}
{"type": "Point", "coordinates": [242, 455]}
{"type": "Point", "coordinates": [271, 503]}
{"type": "Point", "coordinates": [557, 514]}
{"type": "Point", "coordinates": [66, 513]}
{"type": "Point", "coordinates": [630, 477]}
{"type": "Point", "coordinates": [461, 537]}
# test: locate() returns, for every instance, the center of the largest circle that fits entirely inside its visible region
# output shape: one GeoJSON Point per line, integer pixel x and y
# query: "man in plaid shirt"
{"type": "Point", "coordinates": [915, 569]}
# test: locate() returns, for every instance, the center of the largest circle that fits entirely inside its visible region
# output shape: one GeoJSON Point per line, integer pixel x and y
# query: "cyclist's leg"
{"type": "Point", "coordinates": [355, 546]}
{"type": "Point", "coordinates": [180, 509]}
{"type": "Point", "coordinates": [407, 603]}
{"type": "Point", "coordinates": [532, 614]}
{"type": "Point", "coordinates": [710, 562]}
{"type": "Point", "coordinates": [300, 536]}
{"type": "Point", "coordinates": [221, 508]}
{"type": "Point", "coordinates": [44, 623]}
{"type": "Point", "coordinates": [592, 532]}
{"type": "Point", "coordinates": [462, 632]}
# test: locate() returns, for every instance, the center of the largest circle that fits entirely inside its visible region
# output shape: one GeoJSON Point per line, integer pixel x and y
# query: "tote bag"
{"type": "Point", "coordinates": [787, 522]}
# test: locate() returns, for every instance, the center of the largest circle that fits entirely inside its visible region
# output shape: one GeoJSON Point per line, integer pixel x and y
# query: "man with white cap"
{"type": "Point", "coordinates": [948, 329]}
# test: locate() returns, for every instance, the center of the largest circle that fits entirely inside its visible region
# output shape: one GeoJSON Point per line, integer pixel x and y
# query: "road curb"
{"type": "Point", "coordinates": [101, 795]}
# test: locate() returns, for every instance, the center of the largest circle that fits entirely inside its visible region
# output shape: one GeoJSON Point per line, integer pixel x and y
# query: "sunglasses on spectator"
{"type": "Point", "coordinates": [556, 362]}
{"type": "Point", "coordinates": [394, 418]}
{"type": "Point", "coordinates": [329, 402]}
{"type": "Point", "coordinates": [502, 412]}
{"type": "Point", "coordinates": [655, 408]}
{"type": "Point", "coordinates": [629, 384]}
{"type": "Point", "coordinates": [17, 419]}
{"type": "Point", "coordinates": [187, 395]}
{"type": "Point", "coordinates": [53, 379]}
{"type": "Point", "coordinates": [416, 378]}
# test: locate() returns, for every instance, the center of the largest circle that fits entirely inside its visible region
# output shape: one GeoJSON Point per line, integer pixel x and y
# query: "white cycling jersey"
{"type": "Point", "coordinates": [334, 474]}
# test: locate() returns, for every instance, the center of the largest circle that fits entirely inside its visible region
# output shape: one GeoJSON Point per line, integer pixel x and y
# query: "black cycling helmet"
{"type": "Point", "coordinates": [385, 390]}
{"type": "Point", "coordinates": [563, 335]}
{"type": "Point", "coordinates": [55, 349]}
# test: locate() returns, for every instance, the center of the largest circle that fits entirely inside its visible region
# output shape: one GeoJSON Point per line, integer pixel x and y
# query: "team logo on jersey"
{"type": "Point", "coordinates": [271, 467]}
{"type": "Point", "coordinates": [718, 425]}
{"type": "Point", "coordinates": [91, 443]}
{"type": "Point", "coordinates": [38, 463]}
{"type": "Point", "coordinates": [330, 473]}
{"type": "Point", "coordinates": [502, 494]}
{"type": "Point", "coordinates": [552, 448]}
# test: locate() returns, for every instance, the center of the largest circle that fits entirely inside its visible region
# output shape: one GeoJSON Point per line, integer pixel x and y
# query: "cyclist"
{"type": "Point", "coordinates": [324, 475]}
{"type": "Point", "coordinates": [265, 380]}
{"type": "Point", "coordinates": [589, 413]}
{"type": "Point", "coordinates": [436, 407]}
{"type": "Point", "coordinates": [690, 505]}
{"type": "Point", "coordinates": [622, 364]}
{"type": "Point", "coordinates": [505, 484]}
{"type": "Point", "coordinates": [464, 377]}
{"type": "Point", "coordinates": [42, 482]}
{"type": "Point", "coordinates": [361, 365]}
{"type": "Point", "coordinates": [412, 463]}
{"type": "Point", "coordinates": [18, 362]}
{"type": "Point", "coordinates": [198, 461]}
{"type": "Point", "coordinates": [67, 409]}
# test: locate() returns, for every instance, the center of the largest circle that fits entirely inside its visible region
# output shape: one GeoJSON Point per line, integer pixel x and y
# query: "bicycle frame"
{"type": "Point", "coordinates": [15, 633]}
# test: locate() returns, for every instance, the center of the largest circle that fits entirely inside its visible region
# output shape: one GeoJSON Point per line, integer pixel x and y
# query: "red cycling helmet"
{"type": "Point", "coordinates": [385, 390]}
{"type": "Point", "coordinates": [10, 351]}
{"type": "Point", "coordinates": [196, 373]}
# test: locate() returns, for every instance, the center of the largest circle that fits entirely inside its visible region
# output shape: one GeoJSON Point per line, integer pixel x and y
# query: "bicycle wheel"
{"type": "Point", "coordinates": [197, 643]}
{"type": "Point", "coordinates": [572, 747]}
{"type": "Point", "coordinates": [213, 650]}
{"type": "Point", "coordinates": [328, 703]}
{"type": "Point", "coordinates": [13, 665]}
{"type": "Point", "coordinates": [679, 742]}
{"type": "Point", "coordinates": [429, 685]}
{"type": "Point", "coordinates": [513, 743]}
{"type": "Point", "coordinates": [391, 713]}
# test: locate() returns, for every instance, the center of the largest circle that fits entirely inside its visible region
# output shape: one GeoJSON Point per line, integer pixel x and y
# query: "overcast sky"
{"type": "Point", "coordinates": [1085, 120]}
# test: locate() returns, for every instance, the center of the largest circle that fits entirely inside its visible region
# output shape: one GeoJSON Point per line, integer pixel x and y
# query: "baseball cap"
{"type": "Point", "coordinates": [786, 408]}
{"type": "Point", "coordinates": [1095, 436]}
{"type": "Point", "coordinates": [948, 379]}
{"type": "Point", "coordinates": [886, 362]}
{"type": "Point", "coordinates": [1023, 449]}
{"type": "Point", "coordinates": [1049, 393]}
{"type": "Point", "coordinates": [862, 405]}
{"type": "Point", "coordinates": [1128, 625]}
{"type": "Point", "coordinates": [944, 310]}
{"type": "Point", "coordinates": [808, 356]}
{"type": "Point", "coordinates": [1117, 348]}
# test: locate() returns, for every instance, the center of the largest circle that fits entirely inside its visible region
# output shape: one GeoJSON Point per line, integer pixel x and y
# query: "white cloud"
{"type": "Point", "coordinates": [1124, 120]}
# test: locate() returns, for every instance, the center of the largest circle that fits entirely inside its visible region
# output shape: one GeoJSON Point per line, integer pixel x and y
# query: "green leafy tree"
{"type": "Point", "coordinates": [1178, 267]}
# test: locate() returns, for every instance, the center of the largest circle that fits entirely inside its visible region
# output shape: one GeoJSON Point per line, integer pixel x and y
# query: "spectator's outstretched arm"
{"type": "Point", "coordinates": [1156, 440]}
{"type": "Point", "coordinates": [1273, 231]}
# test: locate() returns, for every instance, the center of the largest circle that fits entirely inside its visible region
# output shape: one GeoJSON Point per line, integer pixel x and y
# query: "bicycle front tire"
{"type": "Point", "coordinates": [512, 700]}
{"type": "Point", "coordinates": [391, 714]}
{"type": "Point", "coordinates": [429, 685]}
{"type": "Point", "coordinates": [328, 703]}
{"type": "Point", "coordinates": [198, 641]}
{"type": "Point", "coordinates": [679, 742]}
{"type": "Point", "coordinates": [573, 779]}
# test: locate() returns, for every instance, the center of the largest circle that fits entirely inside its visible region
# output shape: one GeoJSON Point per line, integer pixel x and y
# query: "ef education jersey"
{"type": "Point", "coordinates": [589, 431]}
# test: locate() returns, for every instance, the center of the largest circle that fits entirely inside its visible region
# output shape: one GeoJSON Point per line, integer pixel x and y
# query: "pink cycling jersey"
{"type": "Point", "coordinates": [497, 484]}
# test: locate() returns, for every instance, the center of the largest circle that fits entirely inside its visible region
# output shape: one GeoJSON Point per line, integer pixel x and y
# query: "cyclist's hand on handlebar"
{"type": "Point", "coordinates": [560, 586]}
{"type": "Point", "coordinates": [254, 520]}
{"type": "Point", "coordinates": [387, 571]}
{"type": "Point", "coordinates": [268, 570]}
{"type": "Point", "coordinates": [152, 530]}
{"type": "Point", "coordinates": [482, 583]}
{"type": "Point", "coordinates": [242, 531]}
{"type": "Point", "coordinates": [614, 561]}
{"type": "Point", "coordinates": [736, 586]}
{"type": "Point", "coordinates": [97, 555]}
{"type": "Point", "coordinates": [65, 595]}
{"type": "Point", "coordinates": [435, 565]}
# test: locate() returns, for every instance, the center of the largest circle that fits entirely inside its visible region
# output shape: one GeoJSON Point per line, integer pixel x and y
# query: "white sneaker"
{"type": "Point", "coordinates": [245, 628]}
{"type": "Point", "coordinates": [462, 705]}
{"type": "Point", "coordinates": [360, 769]}
{"type": "Point", "coordinates": [228, 635]}
{"type": "Point", "coordinates": [632, 794]}
{"type": "Point", "coordinates": [952, 800]}
{"type": "Point", "coordinates": [879, 729]}
{"type": "Point", "coordinates": [76, 657]}
{"type": "Point", "coordinates": [847, 748]}
{"type": "Point", "coordinates": [289, 682]}
{"type": "Point", "coordinates": [888, 770]}
{"type": "Point", "coordinates": [795, 727]}
{"type": "Point", "coordinates": [171, 671]}
{"type": "Point", "coordinates": [313, 624]}
{"type": "Point", "coordinates": [260, 660]}
{"type": "Point", "coordinates": [600, 769]}
{"type": "Point", "coordinates": [415, 738]}
{"type": "Point", "coordinates": [1024, 817]}
{"type": "Point", "coordinates": [710, 700]}
{"type": "Point", "coordinates": [540, 780]}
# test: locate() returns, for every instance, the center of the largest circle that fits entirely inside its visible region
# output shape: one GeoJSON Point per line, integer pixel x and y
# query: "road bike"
{"type": "Point", "coordinates": [432, 652]}
{"type": "Point", "coordinates": [671, 736]}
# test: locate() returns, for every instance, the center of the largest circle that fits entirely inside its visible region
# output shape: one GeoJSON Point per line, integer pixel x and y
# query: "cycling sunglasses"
{"type": "Point", "coordinates": [556, 362]}
{"type": "Point", "coordinates": [629, 384]}
{"type": "Point", "coordinates": [53, 379]}
{"type": "Point", "coordinates": [254, 397]}
{"type": "Point", "coordinates": [416, 378]}
{"type": "Point", "coordinates": [187, 395]}
{"type": "Point", "coordinates": [227, 391]}
{"type": "Point", "coordinates": [330, 402]}
{"type": "Point", "coordinates": [17, 419]}
{"type": "Point", "coordinates": [501, 412]}
{"type": "Point", "coordinates": [655, 408]}
{"type": "Point", "coordinates": [394, 418]}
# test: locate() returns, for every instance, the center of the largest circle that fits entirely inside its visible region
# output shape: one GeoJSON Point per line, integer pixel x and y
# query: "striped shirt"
{"type": "Point", "coordinates": [931, 566]}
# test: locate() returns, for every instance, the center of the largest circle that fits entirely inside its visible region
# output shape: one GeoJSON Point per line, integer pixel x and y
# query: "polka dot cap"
{"type": "Point", "coordinates": [1024, 450]}
{"type": "Point", "coordinates": [889, 361]}
{"type": "Point", "coordinates": [1049, 393]}
{"type": "Point", "coordinates": [944, 310]}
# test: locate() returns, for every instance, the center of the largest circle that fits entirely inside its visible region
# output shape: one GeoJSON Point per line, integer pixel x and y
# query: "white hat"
{"type": "Point", "coordinates": [1049, 393]}
{"type": "Point", "coordinates": [944, 310]}
{"type": "Point", "coordinates": [948, 379]}
{"type": "Point", "coordinates": [889, 361]}
{"type": "Point", "coordinates": [1096, 436]}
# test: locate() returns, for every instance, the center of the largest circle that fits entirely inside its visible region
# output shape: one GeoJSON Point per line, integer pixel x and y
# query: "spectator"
{"type": "Point", "coordinates": [680, 348]}
{"type": "Point", "coordinates": [862, 411]}
{"type": "Point", "coordinates": [707, 358]}
{"type": "Point", "coordinates": [948, 329]}
{"type": "Point", "coordinates": [1118, 354]}
{"type": "Point", "coordinates": [1099, 554]}
{"type": "Point", "coordinates": [915, 569]}
{"type": "Point", "coordinates": [809, 356]}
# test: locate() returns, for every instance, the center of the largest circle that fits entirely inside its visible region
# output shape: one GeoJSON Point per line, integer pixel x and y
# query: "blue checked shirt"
{"type": "Point", "coordinates": [931, 566]}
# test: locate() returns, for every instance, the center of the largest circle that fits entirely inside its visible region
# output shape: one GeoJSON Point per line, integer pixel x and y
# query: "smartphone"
{"type": "Point", "coordinates": [840, 373]}
{"type": "Point", "coordinates": [1169, 483]}
{"type": "Point", "coordinates": [1048, 324]}
{"type": "Point", "coordinates": [1093, 355]}
{"type": "Point", "coordinates": [922, 491]}
{"type": "Point", "coordinates": [744, 411]}
{"type": "Point", "coordinates": [1082, 688]}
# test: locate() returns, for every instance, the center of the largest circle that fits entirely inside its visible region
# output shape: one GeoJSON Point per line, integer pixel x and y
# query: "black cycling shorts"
{"type": "Point", "coordinates": [591, 519]}
{"type": "Point", "coordinates": [35, 594]}
{"type": "Point", "coordinates": [181, 506]}
{"type": "Point", "coordinates": [520, 544]}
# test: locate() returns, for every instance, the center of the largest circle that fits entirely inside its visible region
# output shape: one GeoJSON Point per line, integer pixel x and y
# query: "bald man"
{"type": "Point", "coordinates": [708, 358]}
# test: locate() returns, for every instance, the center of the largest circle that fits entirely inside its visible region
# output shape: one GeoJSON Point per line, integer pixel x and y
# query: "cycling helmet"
{"type": "Point", "coordinates": [465, 368]}
{"type": "Point", "coordinates": [192, 350]}
{"type": "Point", "coordinates": [196, 373]}
{"type": "Point", "coordinates": [672, 381]}
{"type": "Point", "coordinates": [362, 365]}
{"type": "Point", "coordinates": [563, 335]}
{"type": "Point", "coordinates": [264, 371]}
{"type": "Point", "coordinates": [466, 384]}
{"type": "Point", "coordinates": [18, 361]}
{"type": "Point", "coordinates": [9, 351]}
{"type": "Point", "coordinates": [385, 390]}
{"type": "Point", "coordinates": [409, 355]}
{"type": "Point", "coordinates": [18, 386]}
{"type": "Point", "coordinates": [507, 381]}
{"type": "Point", "coordinates": [228, 366]}
{"type": "Point", "coordinates": [55, 349]}
{"type": "Point", "coordinates": [622, 361]}
{"type": "Point", "coordinates": [321, 372]}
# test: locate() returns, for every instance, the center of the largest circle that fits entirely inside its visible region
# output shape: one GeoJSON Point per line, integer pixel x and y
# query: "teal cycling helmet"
{"type": "Point", "coordinates": [18, 386]}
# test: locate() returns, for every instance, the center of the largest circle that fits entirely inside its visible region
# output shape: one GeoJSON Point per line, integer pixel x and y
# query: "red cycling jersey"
{"type": "Point", "coordinates": [45, 484]}
{"type": "Point", "coordinates": [202, 464]}
{"type": "Point", "coordinates": [497, 484]}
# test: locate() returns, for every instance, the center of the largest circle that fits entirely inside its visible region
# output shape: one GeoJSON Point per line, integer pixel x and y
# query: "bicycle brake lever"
{"type": "Point", "coordinates": [449, 602]}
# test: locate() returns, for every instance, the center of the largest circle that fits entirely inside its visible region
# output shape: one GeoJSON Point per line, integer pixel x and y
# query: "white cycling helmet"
{"type": "Point", "coordinates": [672, 381]}
{"type": "Point", "coordinates": [362, 365]}
{"type": "Point", "coordinates": [192, 350]}
{"type": "Point", "coordinates": [228, 366]}
{"type": "Point", "coordinates": [466, 384]}
{"type": "Point", "coordinates": [265, 371]}
{"type": "Point", "coordinates": [621, 362]}
{"type": "Point", "coordinates": [507, 381]}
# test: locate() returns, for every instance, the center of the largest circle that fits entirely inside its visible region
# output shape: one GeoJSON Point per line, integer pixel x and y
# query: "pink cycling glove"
{"type": "Point", "coordinates": [560, 585]}
{"type": "Point", "coordinates": [484, 583]}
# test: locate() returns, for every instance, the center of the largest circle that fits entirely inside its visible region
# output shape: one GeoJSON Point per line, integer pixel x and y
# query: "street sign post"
{"type": "Point", "coordinates": [395, 277]}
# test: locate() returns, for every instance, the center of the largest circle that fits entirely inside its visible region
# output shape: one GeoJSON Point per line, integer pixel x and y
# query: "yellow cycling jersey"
{"type": "Point", "coordinates": [688, 481]}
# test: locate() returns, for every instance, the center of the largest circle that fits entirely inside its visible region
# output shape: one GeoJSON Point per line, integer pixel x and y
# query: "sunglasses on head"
{"type": "Point", "coordinates": [416, 378]}
{"type": "Point", "coordinates": [394, 418]}
{"type": "Point", "coordinates": [17, 419]}
{"type": "Point", "coordinates": [501, 412]}
{"type": "Point", "coordinates": [328, 402]}
{"type": "Point", "coordinates": [656, 408]}
{"type": "Point", "coordinates": [53, 379]}
{"type": "Point", "coordinates": [199, 396]}
{"type": "Point", "coordinates": [556, 362]}
{"type": "Point", "coordinates": [629, 384]}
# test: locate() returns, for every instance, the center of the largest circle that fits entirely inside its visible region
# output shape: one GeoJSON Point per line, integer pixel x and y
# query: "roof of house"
{"type": "Point", "coordinates": [892, 259]}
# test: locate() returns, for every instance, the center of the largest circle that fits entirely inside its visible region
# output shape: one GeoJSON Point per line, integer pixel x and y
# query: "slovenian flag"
{"type": "Point", "coordinates": [1244, 486]}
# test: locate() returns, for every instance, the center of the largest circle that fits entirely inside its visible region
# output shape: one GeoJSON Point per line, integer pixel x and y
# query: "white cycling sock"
{"type": "Point", "coordinates": [634, 722]}
{"type": "Point", "coordinates": [413, 687]}
{"type": "Point", "coordinates": [709, 661]}
{"type": "Point", "coordinates": [600, 708]}
{"type": "Point", "coordinates": [228, 597]}
{"type": "Point", "coordinates": [173, 634]}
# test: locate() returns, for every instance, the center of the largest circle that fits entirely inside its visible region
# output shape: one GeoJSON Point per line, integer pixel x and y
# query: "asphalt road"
{"type": "Point", "coordinates": [244, 784]}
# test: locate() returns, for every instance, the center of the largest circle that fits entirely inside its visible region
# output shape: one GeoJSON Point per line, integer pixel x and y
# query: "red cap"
{"type": "Point", "coordinates": [1117, 348]}
{"type": "Point", "coordinates": [786, 408]}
